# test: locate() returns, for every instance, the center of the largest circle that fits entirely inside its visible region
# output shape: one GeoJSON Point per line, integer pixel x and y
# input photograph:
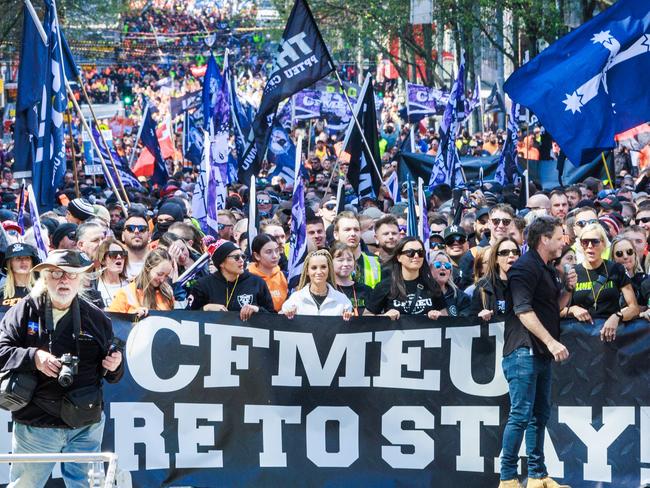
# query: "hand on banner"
{"type": "Point", "coordinates": [485, 314]}
{"type": "Point", "coordinates": [290, 313]}
{"type": "Point", "coordinates": [347, 314]}
{"type": "Point", "coordinates": [141, 312]}
{"type": "Point", "coordinates": [608, 331]}
{"type": "Point", "coordinates": [581, 314]}
{"type": "Point", "coordinates": [558, 350]}
{"type": "Point", "coordinates": [393, 314]}
{"type": "Point", "coordinates": [214, 307]}
{"type": "Point", "coordinates": [434, 314]}
{"type": "Point", "coordinates": [247, 312]}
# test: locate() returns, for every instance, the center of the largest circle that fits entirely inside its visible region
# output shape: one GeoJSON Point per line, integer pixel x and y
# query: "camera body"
{"type": "Point", "coordinates": [69, 367]}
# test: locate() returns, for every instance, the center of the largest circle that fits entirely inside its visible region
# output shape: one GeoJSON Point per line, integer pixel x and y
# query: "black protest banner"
{"type": "Point", "coordinates": [181, 104]}
{"type": "Point", "coordinates": [210, 401]}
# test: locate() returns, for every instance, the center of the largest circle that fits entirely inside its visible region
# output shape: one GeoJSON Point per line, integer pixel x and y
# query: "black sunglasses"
{"type": "Point", "coordinates": [629, 252]}
{"type": "Point", "coordinates": [330, 206]}
{"type": "Point", "coordinates": [508, 252]}
{"type": "Point", "coordinates": [411, 253]}
{"type": "Point", "coordinates": [643, 220]}
{"type": "Point", "coordinates": [594, 242]}
{"type": "Point", "coordinates": [505, 222]}
{"type": "Point", "coordinates": [116, 254]}
{"type": "Point", "coordinates": [437, 245]}
{"type": "Point", "coordinates": [138, 228]}
{"type": "Point", "coordinates": [455, 239]}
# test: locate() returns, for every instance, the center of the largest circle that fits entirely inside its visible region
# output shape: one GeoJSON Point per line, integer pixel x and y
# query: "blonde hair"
{"type": "Point", "coordinates": [596, 228]}
{"type": "Point", "coordinates": [304, 276]}
{"type": "Point", "coordinates": [143, 281]}
{"type": "Point", "coordinates": [10, 282]}
{"type": "Point", "coordinates": [615, 242]}
{"type": "Point", "coordinates": [435, 255]}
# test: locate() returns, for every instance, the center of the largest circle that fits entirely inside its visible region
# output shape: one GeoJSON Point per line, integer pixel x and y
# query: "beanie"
{"type": "Point", "coordinates": [221, 252]}
{"type": "Point", "coordinates": [81, 209]}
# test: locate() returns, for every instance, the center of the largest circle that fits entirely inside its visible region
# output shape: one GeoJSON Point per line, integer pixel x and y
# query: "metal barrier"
{"type": "Point", "coordinates": [96, 476]}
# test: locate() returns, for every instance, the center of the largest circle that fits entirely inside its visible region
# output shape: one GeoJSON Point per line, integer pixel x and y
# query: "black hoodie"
{"type": "Point", "coordinates": [248, 290]}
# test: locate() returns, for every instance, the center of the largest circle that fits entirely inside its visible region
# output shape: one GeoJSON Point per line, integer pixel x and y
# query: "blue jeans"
{"type": "Point", "coordinates": [529, 384]}
{"type": "Point", "coordinates": [46, 440]}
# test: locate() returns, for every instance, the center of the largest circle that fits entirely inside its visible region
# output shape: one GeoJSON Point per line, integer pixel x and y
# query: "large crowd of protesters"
{"type": "Point", "coordinates": [360, 260]}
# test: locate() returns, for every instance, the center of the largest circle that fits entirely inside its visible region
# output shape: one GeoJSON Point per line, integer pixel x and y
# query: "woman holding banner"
{"type": "Point", "coordinates": [458, 303]}
{"type": "Point", "coordinates": [407, 287]}
{"type": "Point", "coordinates": [315, 294]}
{"type": "Point", "coordinates": [266, 256]}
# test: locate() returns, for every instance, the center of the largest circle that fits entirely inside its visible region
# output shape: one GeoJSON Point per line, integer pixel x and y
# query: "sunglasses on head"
{"type": "Point", "coordinates": [508, 252]}
{"type": "Point", "coordinates": [116, 254]}
{"type": "Point", "coordinates": [629, 252]}
{"type": "Point", "coordinates": [411, 253]}
{"type": "Point", "coordinates": [440, 264]}
{"type": "Point", "coordinates": [133, 228]}
{"type": "Point", "coordinates": [583, 223]}
{"type": "Point", "coordinates": [497, 222]}
{"type": "Point", "coordinates": [586, 242]}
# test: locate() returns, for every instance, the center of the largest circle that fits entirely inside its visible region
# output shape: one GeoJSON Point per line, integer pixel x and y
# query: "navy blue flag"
{"type": "Point", "coordinates": [301, 60]}
{"type": "Point", "coordinates": [193, 136]}
{"type": "Point", "coordinates": [447, 168]}
{"type": "Point", "coordinates": [41, 102]}
{"type": "Point", "coordinates": [241, 126]}
{"type": "Point", "coordinates": [123, 170]}
{"type": "Point", "coordinates": [150, 140]}
{"type": "Point", "coordinates": [363, 172]}
{"type": "Point", "coordinates": [70, 67]}
{"type": "Point", "coordinates": [298, 239]}
{"type": "Point", "coordinates": [211, 86]}
{"type": "Point", "coordinates": [589, 85]}
{"type": "Point", "coordinates": [508, 167]}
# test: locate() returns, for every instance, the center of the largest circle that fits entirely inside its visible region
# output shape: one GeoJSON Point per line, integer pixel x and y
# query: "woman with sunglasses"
{"type": "Point", "coordinates": [231, 287]}
{"type": "Point", "coordinates": [315, 294]}
{"type": "Point", "coordinates": [407, 287]}
{"type": "Point", "coordinates": [149, 290]}
{"type": "Point", "coordinates": [266, 256]}
{"type": "Point", "coordinates": [623, 252]}
{"type": "Point", "coordinates": [458, 303]}
{"type": "Point", "coordinates": [113, 258]}
{"type": "Point", "coordinates": [489, 296]}
{"type": "Point", "coordinates": [344, 267]}
{"type": "Point", "coordinates": [600, 284]}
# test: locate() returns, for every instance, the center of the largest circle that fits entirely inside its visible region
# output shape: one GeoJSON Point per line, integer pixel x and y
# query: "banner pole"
{"type": "Point", "coordinates": [137, 137]}
{"type": "Point", "coordinates": [74, 156]}
{"type": "Point", "coordinates": [101, 135]}
{"type": "Point", "coordinates": [94, 144]}
{"type": "Point", "coordinates": [609, 176]}
{"type": "Point", "coordinates": [359, 128]}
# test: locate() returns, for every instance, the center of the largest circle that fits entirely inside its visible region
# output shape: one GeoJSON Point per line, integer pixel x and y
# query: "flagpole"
{"type": "Point", "coordinates": [480, 105]}
{"type": "Point", "coordinates": [101, 135]}
{"type": "Point", "coordinates": [74, 156]}
{"type": "Point", "coordinates": [95, 147]}
{"type": "Point", "coordinates": [359, 128]}
{"type": "Point", "coordinates": [137, 137]}
{"type": "Point", "coordinates": [609, 176]}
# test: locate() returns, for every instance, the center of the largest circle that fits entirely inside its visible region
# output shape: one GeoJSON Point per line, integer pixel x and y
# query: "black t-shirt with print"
{"type": "Point", "coordinates": [357, 294]}
{"type": "Point", "coordinates": [598, 290]}
{"type": "Point", "coordinates": [21, 292]}
{"type": "Point", "coordinates": [379, 300]}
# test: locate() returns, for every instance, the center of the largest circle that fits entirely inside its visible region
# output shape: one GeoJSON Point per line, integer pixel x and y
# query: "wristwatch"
{"type": "Point", "coordinates": [619, 314]}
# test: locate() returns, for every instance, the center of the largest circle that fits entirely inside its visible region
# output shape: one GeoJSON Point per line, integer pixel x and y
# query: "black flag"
{"type": "Point", "coordinates": [361, 174]}
{"type": "Point", "coordinates": [301, 60]}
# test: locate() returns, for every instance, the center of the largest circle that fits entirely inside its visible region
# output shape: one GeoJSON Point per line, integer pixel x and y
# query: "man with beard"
{"type": "Point", "coordinates": [64, 413]}
{"type": "Point", "coordinates": [348, 231]}
{"type": "Point", "coordinates": [136, 238]}
{"type": "Point", "coordinates": [387, 235]}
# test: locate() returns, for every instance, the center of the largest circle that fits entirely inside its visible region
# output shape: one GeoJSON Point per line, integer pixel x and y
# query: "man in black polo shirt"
{"type": "Point", "coordinates": [532, 330]}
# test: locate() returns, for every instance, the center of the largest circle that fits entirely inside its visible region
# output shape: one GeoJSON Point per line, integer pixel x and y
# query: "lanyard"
{"type": "Point", "coordinates": [232, 292]}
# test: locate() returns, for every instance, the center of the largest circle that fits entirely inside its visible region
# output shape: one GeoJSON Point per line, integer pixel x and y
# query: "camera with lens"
{"type": "Point", "coordinates": [69, 366]}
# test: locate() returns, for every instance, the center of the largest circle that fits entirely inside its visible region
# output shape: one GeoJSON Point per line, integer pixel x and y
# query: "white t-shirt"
{"type": "Point", "coordinates": [133, 269]}
{"type": "Point", "coordinates": [108, 291]}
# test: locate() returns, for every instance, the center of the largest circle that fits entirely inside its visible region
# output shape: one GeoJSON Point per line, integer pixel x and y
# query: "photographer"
{"type": "Point", "coordinates": [61, 344]}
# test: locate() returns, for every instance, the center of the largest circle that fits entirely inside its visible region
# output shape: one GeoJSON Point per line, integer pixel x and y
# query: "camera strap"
{"type": "Point", "coordinates": [76, 322]}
